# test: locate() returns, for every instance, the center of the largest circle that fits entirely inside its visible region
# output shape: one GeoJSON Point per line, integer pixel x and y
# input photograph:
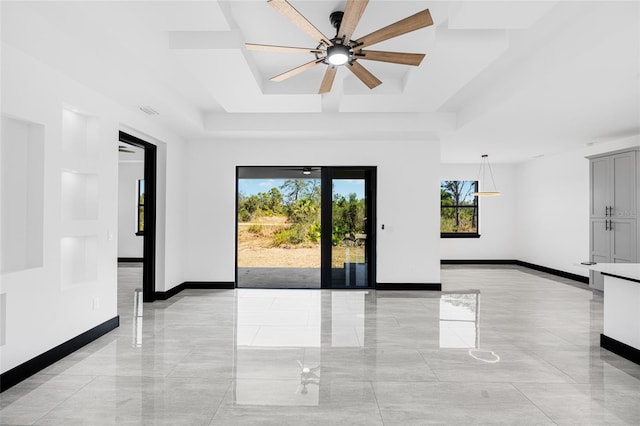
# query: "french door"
{"type": "Point", "coordinates": [278, 229]}
{"type": "Point", "coordinates": [348, 227]}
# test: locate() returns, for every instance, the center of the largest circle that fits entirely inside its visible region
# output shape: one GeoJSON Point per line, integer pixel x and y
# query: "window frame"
{"type": "Point", "coordinates": [475, 206]}
{"type": "Point", "coordinates": [139, 205]}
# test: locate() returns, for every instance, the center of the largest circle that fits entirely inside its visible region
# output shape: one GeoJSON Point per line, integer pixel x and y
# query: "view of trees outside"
{"type": "Point", "coordinates": [140, 205]}
{"type": "Point", "coordinates": [458, 208]}
{"type": "Point", "coordinates": [281, 226]}
{"type": "Point", "coordinates": [348, 235]}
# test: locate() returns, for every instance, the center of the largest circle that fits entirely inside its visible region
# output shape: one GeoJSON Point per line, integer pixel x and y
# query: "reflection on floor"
{"type": "Point", "coordinates": [498, 345]}
{"type": "Point", "coordinates": [279, 277]}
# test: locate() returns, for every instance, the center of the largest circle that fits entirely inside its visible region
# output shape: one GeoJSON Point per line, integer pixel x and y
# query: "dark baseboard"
{"type": "Point", "coordinates": [42, 361]}
{"type": "Point", "coordinates": [540, 268]}
{"type": "Point", "coordinates": [409, 286]}
{"type": "Point", "coordinates": [619, 348]}
{"type": "Point", "coordinates": [478, 262]}
{"type": "Point", "coordinates": [555, 272]}
{"type": "Point", "coordinates": [130, 260]}
{"type": "Point", "coordinates": [198, 285]}
{"type": "Point", "coordinates": [621, 277]}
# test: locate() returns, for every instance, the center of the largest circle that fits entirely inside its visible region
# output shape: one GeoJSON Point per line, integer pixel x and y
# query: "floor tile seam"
{"type": "Point", "coordinates": [224, 397]}
{"type": "Point", "coordinates": [375, 398]}
{"type": "Point", "coordinates": [438, 378]}
{"type": "Point", "coordinates": [183, 358]}
{"type": "Point", "coordinates": [544, 413]}
{"type": "Point", "coordinates": [549, 330]}
{"type": "Point", "coordinates": [552, 365]}
{"type": "Point", "coordinates": [600, 387]}
{"type": "Point", "coordinates": [600, 404]}
{"type": "Point", "coordinates": [479, 382]}
{"type": "Point", "coordinates": [255, 335]}
{"type": "Point", "coordinates": [94, 378]}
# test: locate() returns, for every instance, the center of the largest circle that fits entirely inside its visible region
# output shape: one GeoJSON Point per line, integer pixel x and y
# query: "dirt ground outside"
{"type": "Point", "coordinates": [256, 249]}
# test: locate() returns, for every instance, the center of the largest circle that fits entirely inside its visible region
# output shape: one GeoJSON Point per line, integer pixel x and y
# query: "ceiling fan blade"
{"type": "Point", "coordinates": [296, 17]}
{"type": "Point", "coordinates": [352, 14]}
{"type": "Point", "coordinates": [296, 70]}
{"type": "Point", "coordinates": [393, 57]}
{"type": "Point", "coordinates": [406, 25]}
{"type": "Point", "coordinates": [364, 75]}
{"type": "Point", "coordinates": [280, 49]}
{"type": "Point", "coordinates": [327, 81]}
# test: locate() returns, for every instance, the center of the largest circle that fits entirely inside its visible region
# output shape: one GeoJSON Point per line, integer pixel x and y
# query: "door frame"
{"type": "Point", "coordinates": [329, 173]}
{"type": "Point", "coordinates": [326, 204]}
{"type": "Point", "coordinates": [149, 237]}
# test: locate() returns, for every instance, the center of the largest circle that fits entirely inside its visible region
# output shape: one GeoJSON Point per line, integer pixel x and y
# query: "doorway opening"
{"type": "Point", "coordinates": [278, 227]}
{"type": "Point", "coordinates": [145, 208]}
{"type": "Point", "coordinates": [305, 227]}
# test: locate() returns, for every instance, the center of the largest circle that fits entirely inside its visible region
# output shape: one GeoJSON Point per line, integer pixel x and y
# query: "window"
{"type": "Point", "coordinates": [140, 207]}
{"type": "Point", "coordinates": [458, 209]}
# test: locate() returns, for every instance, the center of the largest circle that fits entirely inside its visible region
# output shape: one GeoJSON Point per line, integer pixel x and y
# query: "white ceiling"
{"type": "Point", "coordinates": [513, 79]}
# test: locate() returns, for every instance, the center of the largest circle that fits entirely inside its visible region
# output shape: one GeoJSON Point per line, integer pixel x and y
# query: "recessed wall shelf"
{"type": "Point", "coordinates": [78, 260]}
{"type": "Point", "coordinates": [3, 318]}
{"type": "Point", "coordinates": [79, 195]}
{"type": "Point", "coordinates": [80, 133]}
{"type": "Point", "coordinates": [22, 195]}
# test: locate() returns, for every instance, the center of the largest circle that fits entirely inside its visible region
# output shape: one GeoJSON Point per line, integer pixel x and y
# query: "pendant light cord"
{"type": "Point", "coordinates": [484, 164]}
{"type": "Point", "coordinates": [495, 188]}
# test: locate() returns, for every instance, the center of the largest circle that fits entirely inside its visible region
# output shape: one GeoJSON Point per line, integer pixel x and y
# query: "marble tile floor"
{"type": "Point", "coordinates": [496, 346]}
{"type": "Point", "coordinates": [278, 278]}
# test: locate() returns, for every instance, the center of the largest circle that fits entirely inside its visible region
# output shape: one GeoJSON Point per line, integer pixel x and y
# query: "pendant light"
{"type": "Point", "coordinates": [484, 165]}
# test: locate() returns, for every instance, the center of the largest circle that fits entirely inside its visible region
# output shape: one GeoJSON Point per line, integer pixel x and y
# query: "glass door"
{"type": "Point", "coordinates": [348, 206]}
{"type": "Point", "coordinates": [278, 227]}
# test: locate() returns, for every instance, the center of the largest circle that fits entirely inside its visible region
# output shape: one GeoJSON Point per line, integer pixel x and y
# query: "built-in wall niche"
{"type": "Point", "coordinates": [78, 260]}
{"type": "Point", "coordinates": [79, 195]}
{"type": "Point", "coordinates": [22, 195]}
{"type": "Point", "coordinates": [80, 133]}
{"type": "Point", "coordinates": [3, 318]}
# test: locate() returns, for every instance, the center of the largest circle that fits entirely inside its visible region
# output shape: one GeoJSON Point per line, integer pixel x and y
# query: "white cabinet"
{"type": "Point", "coordinates": [613, 232]}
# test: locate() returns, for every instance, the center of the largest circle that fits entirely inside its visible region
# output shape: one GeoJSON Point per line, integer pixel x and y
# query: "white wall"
{"type": "Point", "coordinates": [408, 250]}
{"type": "Point", "coordinates": [497, 216]}
{"type": "Point", "coordinates": [173, 213]}
{"type": "Point", "coordinates": [36, 93]}
{"type": "Point", "coordinates": [553, 207]}
{"type": "Point", "coordinates": [129, 244]}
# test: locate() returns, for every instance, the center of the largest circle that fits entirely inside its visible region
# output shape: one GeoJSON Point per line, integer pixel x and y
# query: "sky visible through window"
{"type": "Point", "coordinates": [343, 187]}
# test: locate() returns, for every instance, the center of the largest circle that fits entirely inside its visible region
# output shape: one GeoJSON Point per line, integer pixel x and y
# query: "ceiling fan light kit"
{"type": "Point", "coordinates": [338, 54]}
{"type": "Point", "coordinates": [342, 49]}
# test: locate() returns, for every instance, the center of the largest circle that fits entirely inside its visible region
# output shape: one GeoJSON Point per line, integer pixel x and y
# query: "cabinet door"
{"type": "Point", "coordinates": [600, 182]}
{"type": "Point", "coordinates": [624, 185]}
{"type": "Point", "coordinates": [600, 241]}
{"type": "Point", "coordinates": [623, 241]}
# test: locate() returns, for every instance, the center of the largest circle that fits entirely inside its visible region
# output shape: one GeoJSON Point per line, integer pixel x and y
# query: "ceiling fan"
{"type": "Point", "coordinates": [342, 49]}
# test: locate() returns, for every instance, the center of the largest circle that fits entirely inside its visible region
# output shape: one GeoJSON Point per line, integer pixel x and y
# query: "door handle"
{"type": "Point", "coordinates": [606, 225]}
{"type": "Point", "coordinates": [606, 211]}
{"type": "Point", "coordinates": [610, 225]}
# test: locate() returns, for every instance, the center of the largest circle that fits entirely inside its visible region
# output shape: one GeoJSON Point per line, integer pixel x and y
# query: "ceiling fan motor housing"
{"type": "Point", "coordinates": [336, 19]}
